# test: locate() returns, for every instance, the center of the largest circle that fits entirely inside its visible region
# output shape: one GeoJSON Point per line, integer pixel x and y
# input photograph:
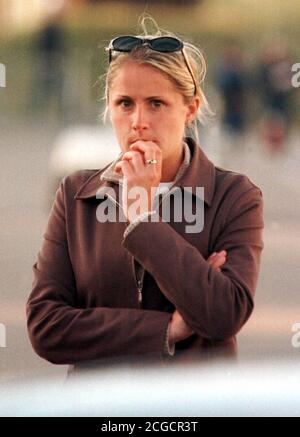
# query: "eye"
{"type": "Point", "coordinates": [125, 103]}
{"type": "Point", "coordinates": [156, 103]}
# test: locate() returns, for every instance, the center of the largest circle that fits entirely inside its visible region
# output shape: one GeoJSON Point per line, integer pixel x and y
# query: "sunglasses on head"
{"type": "Point", "coordinates": [162, 44]}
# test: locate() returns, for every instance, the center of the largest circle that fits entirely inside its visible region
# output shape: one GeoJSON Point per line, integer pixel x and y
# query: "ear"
{"type": "Point", "coordinates": [192, 109]}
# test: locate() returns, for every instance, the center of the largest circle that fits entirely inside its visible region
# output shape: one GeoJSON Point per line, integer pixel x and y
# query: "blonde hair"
{"type": "Point", "coordinates": [174, 66]}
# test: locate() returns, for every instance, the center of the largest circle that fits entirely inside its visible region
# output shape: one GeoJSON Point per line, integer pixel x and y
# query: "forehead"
{"type": "Point", "coordinates": [132, 77]}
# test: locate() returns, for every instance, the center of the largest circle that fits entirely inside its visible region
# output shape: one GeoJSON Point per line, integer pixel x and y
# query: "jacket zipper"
{"type": "Point", "coordinates": [139, 281]}
{"type": "Point", "coordinates": [139, 273]}
{"type": "Point", "coordinates": [140, 292]}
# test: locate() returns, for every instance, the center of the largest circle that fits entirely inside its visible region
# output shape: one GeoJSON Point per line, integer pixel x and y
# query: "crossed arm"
{"type": "Point", "coordinates": [178, 328]}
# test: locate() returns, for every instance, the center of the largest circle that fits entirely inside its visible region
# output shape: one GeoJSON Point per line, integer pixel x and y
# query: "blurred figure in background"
{"type": "Point", "coordinates": [232, 83]}
{"type": "Point", "coordinates": [48, 77]}
{"type": "Point", "coordinates": [274, 82]}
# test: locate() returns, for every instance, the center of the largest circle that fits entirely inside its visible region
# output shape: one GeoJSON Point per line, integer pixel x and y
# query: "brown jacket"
{"type": "Point", "coordinates": [85, 305]}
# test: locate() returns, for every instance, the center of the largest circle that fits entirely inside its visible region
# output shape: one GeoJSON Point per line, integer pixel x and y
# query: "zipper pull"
{"type": "Point", "coordinates": [140, 287]}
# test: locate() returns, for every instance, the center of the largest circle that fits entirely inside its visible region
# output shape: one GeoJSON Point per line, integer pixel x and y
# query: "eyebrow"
{"type": "Point", "coordinates": [120, 96]}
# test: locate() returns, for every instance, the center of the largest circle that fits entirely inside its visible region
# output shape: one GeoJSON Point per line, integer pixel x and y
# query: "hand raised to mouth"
{"type": "Point", "coordinates": [141, 167]}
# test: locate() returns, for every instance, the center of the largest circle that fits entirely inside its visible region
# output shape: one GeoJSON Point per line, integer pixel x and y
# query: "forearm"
{"type": "Point", "coordinates": [64, 334]}
{"type": "Point", "coordinates": [213, 304]}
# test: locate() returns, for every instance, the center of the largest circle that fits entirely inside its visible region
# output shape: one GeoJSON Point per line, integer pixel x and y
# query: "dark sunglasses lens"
{"type": "Point", "coordinates": [166, 44]}
{"type": "Point", "coordinates": [125, 43]}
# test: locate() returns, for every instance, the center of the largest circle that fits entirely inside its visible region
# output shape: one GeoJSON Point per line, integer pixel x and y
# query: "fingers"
{"type": "Point", "coordinates": [125, 168]}
{"type": "Point", "coordinates": [217, 260]}
{"type": "Point", "coordinates": [179, 330]}
{"type": "Point", "coordinates": [118, 167]}
{"type": "Point", "coordinates": [149, 149]}
{"type": "Point", "coordinates": [135, 159]}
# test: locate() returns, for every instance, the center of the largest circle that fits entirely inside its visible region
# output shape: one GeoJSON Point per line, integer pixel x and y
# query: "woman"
{"type": "Point", "coordinates": [143, 283]}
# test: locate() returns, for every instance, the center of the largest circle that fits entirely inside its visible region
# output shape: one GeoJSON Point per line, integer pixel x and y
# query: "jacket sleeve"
{"type": "Point", "coordinates": [63, 332]}
{"type": "Point", "coordinates": [214, 304]}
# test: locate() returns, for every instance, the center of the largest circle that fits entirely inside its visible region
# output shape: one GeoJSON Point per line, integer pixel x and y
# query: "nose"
{"type": "Point", "coordinates": [139, 118]}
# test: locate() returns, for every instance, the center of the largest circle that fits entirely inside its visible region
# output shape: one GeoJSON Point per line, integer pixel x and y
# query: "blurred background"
{"type": "Point", "coordinates": [51, 86]}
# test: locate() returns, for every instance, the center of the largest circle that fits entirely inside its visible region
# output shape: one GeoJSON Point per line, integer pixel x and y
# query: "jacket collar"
{"type": "Point", "coordinates": [199, 173]}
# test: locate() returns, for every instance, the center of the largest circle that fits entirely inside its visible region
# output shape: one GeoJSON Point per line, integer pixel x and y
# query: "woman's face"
{"type": "Point", "coordinates": [145, 105]}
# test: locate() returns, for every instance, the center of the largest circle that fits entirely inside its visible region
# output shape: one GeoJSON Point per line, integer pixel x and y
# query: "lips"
{"type": "Point", "coordinates": [131, 141]}
{"type": "Point", "coordinates": [138, 139]}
